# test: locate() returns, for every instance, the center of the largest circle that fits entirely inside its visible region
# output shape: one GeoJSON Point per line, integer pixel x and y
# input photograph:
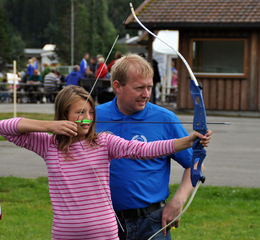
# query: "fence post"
{"type": "Point", "coordinates": [14, 87]}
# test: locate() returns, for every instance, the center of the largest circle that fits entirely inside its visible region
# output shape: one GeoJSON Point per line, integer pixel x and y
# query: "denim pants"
{"type": "Point", "coordinates": [142, 228]}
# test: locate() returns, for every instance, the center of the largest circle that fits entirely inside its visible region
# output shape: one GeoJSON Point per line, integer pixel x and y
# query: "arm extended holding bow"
{"type": "Point", "coordinates": [192, 177]}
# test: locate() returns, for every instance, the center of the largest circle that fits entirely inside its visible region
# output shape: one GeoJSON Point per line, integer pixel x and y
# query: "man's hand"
{"type": "Point", "coordinates": [170, 211]}
{"type": "Point", "coordinates": [174, 207]}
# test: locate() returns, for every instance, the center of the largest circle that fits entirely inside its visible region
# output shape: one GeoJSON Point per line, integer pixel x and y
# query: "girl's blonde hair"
{"type": "Point", "coordinates": [137, 63]}
{"type": "Point", "coordinates": [63, 102]}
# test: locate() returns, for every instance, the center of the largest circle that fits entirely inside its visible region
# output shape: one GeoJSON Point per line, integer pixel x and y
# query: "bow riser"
{"type": "Point", "coordinates": [199, 125]}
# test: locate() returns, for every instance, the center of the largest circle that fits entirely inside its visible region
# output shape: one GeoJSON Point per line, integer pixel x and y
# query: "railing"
{"type": "Point", "coordinates": [35, 93]}
{"type": "Point", "coordinates": [27, 93]}
{"type": "Point", "coordinates": [102, 91]}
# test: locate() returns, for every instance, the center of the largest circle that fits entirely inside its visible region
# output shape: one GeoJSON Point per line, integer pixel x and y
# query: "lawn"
{"type": "Point", "coordinates": [217, 213]}
{"type": "Point", "coordinates": [40, 116]}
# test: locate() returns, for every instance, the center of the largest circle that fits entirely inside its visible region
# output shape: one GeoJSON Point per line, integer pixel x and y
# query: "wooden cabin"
{"type": "Point", "coordinates": [221, 42]}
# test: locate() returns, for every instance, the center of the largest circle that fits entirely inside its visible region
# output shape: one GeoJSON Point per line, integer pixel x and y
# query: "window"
{"type": "Point", "coordinates": [219, 57]}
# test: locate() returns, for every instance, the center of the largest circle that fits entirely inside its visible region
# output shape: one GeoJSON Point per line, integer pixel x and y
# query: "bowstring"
{"type": "Point", "coordinates": [181, 213]}
{"type": "Point", "coordinates": [91, 90]}
{"type": "Point", "coordinates": [93, 169]}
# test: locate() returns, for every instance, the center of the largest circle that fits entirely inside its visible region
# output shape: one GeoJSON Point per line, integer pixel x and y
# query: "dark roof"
{"type": "Point", "coordinates": [170, 14]}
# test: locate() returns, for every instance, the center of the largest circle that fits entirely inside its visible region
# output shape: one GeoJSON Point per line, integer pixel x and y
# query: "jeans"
{"type": "Point", "coordinates": [142, 228]}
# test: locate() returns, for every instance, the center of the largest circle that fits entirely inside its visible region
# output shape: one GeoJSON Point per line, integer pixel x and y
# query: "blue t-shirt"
{"type": "Point", "coordinates": [83, 65]}
{"type": "Point", "coordinates": [73, 78]}
{"type": "Point", "coordinates": [30, 69]}
{"type": "Point", "coordinates": [139, 183]}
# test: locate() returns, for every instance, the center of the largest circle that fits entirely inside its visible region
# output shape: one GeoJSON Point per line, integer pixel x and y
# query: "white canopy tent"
{"type": "Point", "coordinates": [163, 55]}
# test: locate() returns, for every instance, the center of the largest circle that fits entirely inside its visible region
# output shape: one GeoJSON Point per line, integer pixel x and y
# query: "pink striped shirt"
{"type": "Point", "coordinates": [79, 188]}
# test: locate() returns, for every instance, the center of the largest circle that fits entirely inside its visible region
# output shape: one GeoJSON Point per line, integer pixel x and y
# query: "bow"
{"type": "Point", "coordinates": [199, 124]}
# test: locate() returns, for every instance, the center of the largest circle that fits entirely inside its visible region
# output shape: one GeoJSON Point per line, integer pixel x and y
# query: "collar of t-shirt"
{"type": "Point", "coordinates": [119, 116]}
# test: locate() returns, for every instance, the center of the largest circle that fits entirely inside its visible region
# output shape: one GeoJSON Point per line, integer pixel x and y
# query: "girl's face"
{"type": "Point", "coordinates": [77, 113]}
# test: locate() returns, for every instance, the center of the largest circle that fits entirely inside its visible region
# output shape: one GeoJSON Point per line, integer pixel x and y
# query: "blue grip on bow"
{"type": "Point", "coordinates": [199, 125]}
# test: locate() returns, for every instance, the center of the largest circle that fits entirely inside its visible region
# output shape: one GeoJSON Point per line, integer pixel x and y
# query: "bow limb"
{"type": "Point", "coordinates": [199, 120]}
{"type": "Point", "coordinates": [199, 124]}
{"type": "Point", "coordinates": [168, 45]}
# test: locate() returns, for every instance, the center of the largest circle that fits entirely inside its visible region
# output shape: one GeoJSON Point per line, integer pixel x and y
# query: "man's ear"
{"type": "Point", "coordinates": [116, 85]}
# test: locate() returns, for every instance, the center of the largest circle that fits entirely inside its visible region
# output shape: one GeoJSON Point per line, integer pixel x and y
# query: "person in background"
{"type": "Point", "coordinates": [174, 82]}
{"type": "Point", "coordinates": [84, 67]}
{"type": "Point", "coordinates": [51, 85]}
{"type": "Point", "coordinates": [93, 66]}
{"type": "Point", "coordinates": [33, 85]}
{"type": "Point", "coordinates": [118, 55]}
{"type": "Point", "coordinates": [46, 70]}
{"type": "Point", "coordinates": [34, 79]}
{"type": "Point", "coordinates": [156, 79]}
{"type": "Point", "coordinates": [77, 161]}
{"type": "Point", "coordinates": [35, 63]}
{"type": "Point", "coordinates": [4, 88]}
{"type": "Point", "coordinates": [139, 189]}
{"type": "Point", "coordinates": [74, 76]}
{"type": "Point", "coordinates": [102, 68]}
{"type": "Point", "coordinates": [30, 68]}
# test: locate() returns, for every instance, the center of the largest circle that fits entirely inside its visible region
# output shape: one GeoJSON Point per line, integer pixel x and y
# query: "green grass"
{"type": "Point", "coordinates": [222, 213]}
{"type": "Point", "coordinates": [217, 213]}
{"type": "Point", "coordinates": [26, 209]}
{"type": "Point", "coordinates": [38, 116]}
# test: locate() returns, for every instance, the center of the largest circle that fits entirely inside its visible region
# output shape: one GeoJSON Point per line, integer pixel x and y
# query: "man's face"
{"type": "Point", "coordinates": [134, 96]}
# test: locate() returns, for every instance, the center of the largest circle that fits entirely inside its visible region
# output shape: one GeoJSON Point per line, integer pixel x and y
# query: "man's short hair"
{"type": "Point", "coordinates": [121, 68]}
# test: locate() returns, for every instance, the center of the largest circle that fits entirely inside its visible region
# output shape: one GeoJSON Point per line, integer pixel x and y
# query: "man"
{"type": "Point", "coordinates": [139, 188]}
{"type": "Point", "coordinates": [33, 85]}
{"type": "Point", "coordinates": [51, 85]}
{"type": "Point", "coordinates": [35, 79]}
{"type": "Point", "coordinates": [74, 76]}
{"type": "Point", "coordinates": [84, 68]}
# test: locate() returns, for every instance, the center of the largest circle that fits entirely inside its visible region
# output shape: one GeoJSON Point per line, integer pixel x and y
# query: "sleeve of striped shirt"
{"type": "Point", "coordinates": [37, 142]}
{"type": "Point", "coordinates": [121, 148]}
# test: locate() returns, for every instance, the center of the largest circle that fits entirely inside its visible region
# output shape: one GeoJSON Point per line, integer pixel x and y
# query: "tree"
{"type": "Point", "coordinates": [102, 29]}
{"type": "Point", "coordinates": [94, 32]}
{"type": "Point", "coordinates": [118, 11]}
{"type": "Point", "coordinates": [36, 23]}
{"type": "Point", "coordinates": [34, 20]}
{"type": "Point", "coordinates": [62, 36]}
{"type": "Point", "coordinates": [5, 40]}
{"type": "Point", "coordinates": [17, 50]}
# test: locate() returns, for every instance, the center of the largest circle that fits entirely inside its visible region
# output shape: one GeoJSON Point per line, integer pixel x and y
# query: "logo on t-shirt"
{"type": "Point", "coordinates": [140, 138]}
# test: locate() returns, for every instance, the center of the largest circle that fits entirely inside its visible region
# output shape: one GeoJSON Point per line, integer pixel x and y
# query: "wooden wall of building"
{"type": "Point", "coordinates": [223, 93]}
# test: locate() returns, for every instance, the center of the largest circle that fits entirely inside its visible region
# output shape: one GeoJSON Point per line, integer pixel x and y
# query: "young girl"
{"type": "Point", "coordinates": [78, 163]}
